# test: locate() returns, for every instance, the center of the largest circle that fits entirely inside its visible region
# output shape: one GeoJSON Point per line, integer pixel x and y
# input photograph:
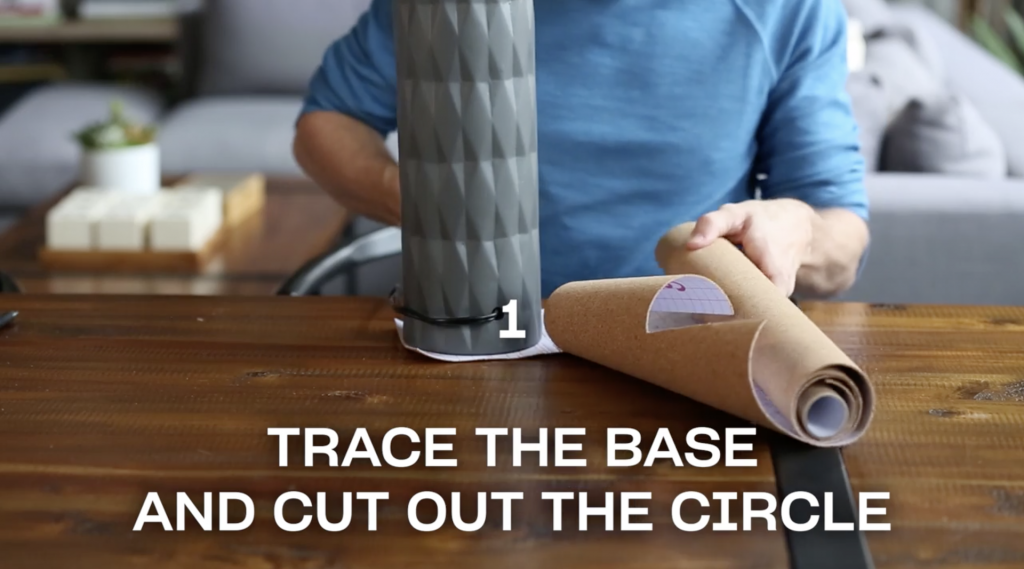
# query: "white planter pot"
{"type": "Point", "coordinates": [133, 169]}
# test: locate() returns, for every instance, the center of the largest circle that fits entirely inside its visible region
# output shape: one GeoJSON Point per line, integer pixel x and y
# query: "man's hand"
{"type": "Point", "coordinates": [798, 248]}
{"type": "Point", "coordinates": [775, 234]}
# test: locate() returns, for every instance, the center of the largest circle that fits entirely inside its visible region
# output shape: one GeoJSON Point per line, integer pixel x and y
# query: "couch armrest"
{"type": "Point", "coordinates": [995, 89]}
{"type": "Point", "coordinates": [944, 240]}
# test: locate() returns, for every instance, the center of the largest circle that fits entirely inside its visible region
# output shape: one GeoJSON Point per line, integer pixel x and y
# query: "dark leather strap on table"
{"type": "Point", "coordinates": [802, 468]}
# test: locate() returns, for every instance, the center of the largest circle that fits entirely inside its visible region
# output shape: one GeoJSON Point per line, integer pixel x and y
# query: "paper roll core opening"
{"type": "Point", "coordinates": [826, 415]}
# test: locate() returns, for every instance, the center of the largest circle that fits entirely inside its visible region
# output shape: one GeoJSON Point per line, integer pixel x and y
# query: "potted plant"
{"type": "Point", "coordinates": [1009, 50]}
{"type": "Point", "coordinates": [119, 154]}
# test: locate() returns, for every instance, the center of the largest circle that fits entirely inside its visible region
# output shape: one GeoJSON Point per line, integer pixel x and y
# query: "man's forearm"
{"type": "Point", "coordinates": [350, 161]}
{"type": "Point", "coordinates": [840, 239]}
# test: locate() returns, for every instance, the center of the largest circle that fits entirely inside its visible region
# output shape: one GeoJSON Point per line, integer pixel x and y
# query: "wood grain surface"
{"type": "Point", "coordinates": [298, 223]}
{"type": "Point", "coordinates": [133, 262]}
{"type": "Point", "coordinates": [103, 399]}
{"type": "Point", "coordinates": [948, 440]}
{"type": "Point", "coordinates": [165, 285]}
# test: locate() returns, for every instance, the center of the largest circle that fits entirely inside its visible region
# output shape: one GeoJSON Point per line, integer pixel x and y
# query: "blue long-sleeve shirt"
{"type": "Point", "coordinates": [652, 113]}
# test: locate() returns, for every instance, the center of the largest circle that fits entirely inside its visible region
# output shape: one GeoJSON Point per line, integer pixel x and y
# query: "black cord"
{"type": "Point", "coordinates": [495, 316]}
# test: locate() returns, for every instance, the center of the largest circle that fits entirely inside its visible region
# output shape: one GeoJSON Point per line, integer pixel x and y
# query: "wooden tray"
{"type": "Point", "coordinates": [133, 261]}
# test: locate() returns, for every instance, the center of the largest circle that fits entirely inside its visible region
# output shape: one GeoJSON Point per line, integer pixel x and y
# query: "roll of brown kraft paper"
{"type": "Point", "coordinates": [718, 331]}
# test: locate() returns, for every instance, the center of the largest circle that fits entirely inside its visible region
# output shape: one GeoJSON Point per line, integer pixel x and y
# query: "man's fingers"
{"type": "Point", "coordinates": [775, 264]}
{"type": "Point", "coordinates": [781, 276]}
{"type": "Point", "coordinates": [726, 221]}
{"type": "Point", "coordinates": [765, 239]}
{"type": "Point", "coordinates": [786, 283]}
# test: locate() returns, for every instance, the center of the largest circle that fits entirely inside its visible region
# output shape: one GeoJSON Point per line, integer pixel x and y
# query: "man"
{"type": "Point", "coordinates": [651, 113]}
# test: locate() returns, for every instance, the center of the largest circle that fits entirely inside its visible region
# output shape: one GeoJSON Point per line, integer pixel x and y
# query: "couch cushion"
{"type": "Point", "coordinates": [874, 15]}
{"type": "Point", "coordinates": [270, 46]}
{"type": "Point", "coordinates": [995, 89]}
{"type": "Point", "coordinates": [872, 114]}
{"type": "Point", "coordinates": [923, 44]}
{"type": "Point", "coordinates": [38, 154]}
{"type": "Point", "coordinates": [1007, 119]}
{"type": "Point", "coordinates": [250, 133]}
{"type": "Point", "coordinates": [901, 72]}
{"type": "Point", "coordinates": [944, 136]}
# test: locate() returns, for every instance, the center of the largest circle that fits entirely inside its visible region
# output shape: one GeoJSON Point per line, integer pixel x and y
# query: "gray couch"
{"type": "Point", "coordinates": [946, 238]}
{"type": "Point", "coordinates": [255, 65]}
{"type": "Point", "coordinates": [937, 237]}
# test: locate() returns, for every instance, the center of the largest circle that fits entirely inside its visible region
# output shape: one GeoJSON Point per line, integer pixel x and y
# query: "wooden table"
{"type": "Point", "coordinates": [298, 223]}
{"type": "Point", "coordinates": [103, 399]}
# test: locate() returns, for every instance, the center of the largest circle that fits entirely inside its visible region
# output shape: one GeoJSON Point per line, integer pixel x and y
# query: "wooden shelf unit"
{"type": "Point", "coordinates": [152, 30]}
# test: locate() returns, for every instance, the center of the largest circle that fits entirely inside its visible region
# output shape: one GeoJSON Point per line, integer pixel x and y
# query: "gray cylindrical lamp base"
{"type": "Point", "coordinates": [467, 125]}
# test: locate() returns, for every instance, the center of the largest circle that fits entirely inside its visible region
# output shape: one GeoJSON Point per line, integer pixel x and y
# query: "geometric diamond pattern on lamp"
{"type": "Point", "coordinates": [467, 124]}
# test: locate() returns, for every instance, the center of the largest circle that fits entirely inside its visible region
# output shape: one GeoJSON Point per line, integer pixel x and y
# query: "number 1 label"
{"type": "Point", "coordinates": [513, 332]}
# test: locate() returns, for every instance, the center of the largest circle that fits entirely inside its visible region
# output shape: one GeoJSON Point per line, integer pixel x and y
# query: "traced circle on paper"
{"type": "Point", "coordinates": [688, 300]}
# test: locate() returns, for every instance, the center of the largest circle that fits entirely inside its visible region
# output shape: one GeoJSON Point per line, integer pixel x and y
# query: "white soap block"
{"type": "Point", "coordinates": [71, 224]}
{"type": "Point", "coordinates": [187, 220]}
{"type": "Point", "coordinates": [125, 224]}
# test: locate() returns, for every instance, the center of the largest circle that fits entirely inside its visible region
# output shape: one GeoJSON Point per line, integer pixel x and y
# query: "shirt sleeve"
{"type": "Point", "coordinates": [357, 76]}
{"type": "Point", "coordinates": [807, 143]}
